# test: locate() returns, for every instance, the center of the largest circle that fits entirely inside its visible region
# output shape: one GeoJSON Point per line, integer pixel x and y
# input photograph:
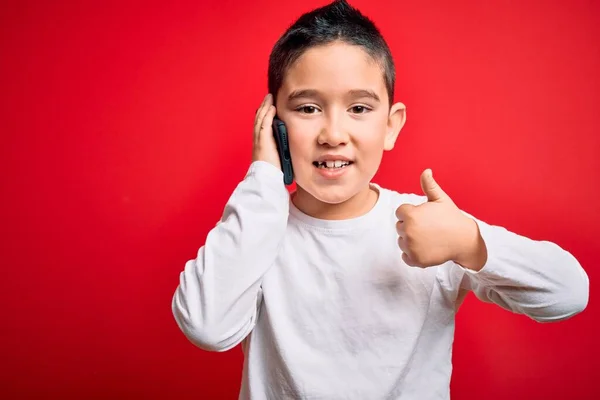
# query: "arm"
{"type": "Point", "coordinates": [216, 303]}
{"type": "Point", "coordinates": [534, 278]}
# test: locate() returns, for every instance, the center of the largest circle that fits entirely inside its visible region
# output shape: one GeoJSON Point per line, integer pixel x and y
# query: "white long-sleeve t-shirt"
{"type": "Point", "coordinates": [327, 309]}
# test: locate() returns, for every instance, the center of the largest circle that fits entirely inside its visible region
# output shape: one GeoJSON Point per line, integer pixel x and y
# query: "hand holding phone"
{"type": "Point", "coordinates": [264, 147]}
{"type": "Point", "coordinates": [272, 147]}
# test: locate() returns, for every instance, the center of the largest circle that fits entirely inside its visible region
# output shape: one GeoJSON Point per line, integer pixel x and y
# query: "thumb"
{"type": "Point", "coordinates": [432, 190]}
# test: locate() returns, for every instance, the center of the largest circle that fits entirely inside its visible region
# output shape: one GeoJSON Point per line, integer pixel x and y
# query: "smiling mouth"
{"type": "Point", "coordinates": [332, 164]}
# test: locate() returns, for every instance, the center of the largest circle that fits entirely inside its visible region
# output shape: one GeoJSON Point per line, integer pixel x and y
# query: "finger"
{"type": "Point", "coordinates": [403, 211]}
{"type": "Point", "coordinates": [400, 229]}
{"type": "Point", "coordinates": [430, 187]}
{"type": "Point", "coordinates": [260, 115]}
{"type": "Point", "coordinates": [403, 244]}
{"type": "Point", "coordinates": [408, 261]}
{"type": "Point", "coordinates": [262, 104]}
{"type": "Point", "coordinates": [266, 129]}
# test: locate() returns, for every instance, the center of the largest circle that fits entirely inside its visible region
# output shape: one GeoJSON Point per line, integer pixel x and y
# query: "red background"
{"type": "Point", "coordinates": [125, 127]}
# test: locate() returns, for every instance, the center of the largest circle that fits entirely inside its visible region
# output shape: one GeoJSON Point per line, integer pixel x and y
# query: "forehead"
{"type": "Point", "coordinates": [335, 69]}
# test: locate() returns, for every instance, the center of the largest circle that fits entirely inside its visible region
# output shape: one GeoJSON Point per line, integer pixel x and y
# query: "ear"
{"type": "Point", "coordinates": [396, 121]}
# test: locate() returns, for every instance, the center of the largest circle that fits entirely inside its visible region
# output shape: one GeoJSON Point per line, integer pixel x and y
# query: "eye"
{"type": "Point", "coordinates": [360, 109]}
{"type": "Point", "coordinates": [307, 109]}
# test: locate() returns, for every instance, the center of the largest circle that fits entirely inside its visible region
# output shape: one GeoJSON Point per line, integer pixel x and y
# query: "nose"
{"type": "Point", "coordinates": [332, 133]}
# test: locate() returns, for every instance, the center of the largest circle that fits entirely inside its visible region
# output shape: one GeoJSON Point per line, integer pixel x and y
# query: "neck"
{"type": "Point", "coordinates": [359, 204]}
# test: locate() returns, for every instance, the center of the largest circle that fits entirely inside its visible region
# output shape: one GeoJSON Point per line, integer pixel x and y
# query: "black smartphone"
{"type": "Point", "coordinates": [283, 148]}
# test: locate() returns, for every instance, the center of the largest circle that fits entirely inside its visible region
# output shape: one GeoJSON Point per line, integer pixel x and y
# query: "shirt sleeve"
{"type": "Point", "coordinates": [535, 278]}
{"type": "Point", "coordinates": [218, 297]}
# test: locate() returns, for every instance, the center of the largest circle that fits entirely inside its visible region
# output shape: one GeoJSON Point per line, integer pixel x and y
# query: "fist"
{"type": "Point", "coordinates": [264, 147]}
{"type": "Point", "coordinates": [436, 231]}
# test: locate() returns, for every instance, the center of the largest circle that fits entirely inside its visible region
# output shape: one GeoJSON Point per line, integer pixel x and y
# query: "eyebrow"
{"type": "Point", "coordinates": [304, 93]}
{"type": "Point", "coordinates": [364, 93]}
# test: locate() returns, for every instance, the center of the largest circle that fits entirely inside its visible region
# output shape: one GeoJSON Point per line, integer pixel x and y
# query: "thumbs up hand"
{"type": "Point", "coordinates": [437, 231]}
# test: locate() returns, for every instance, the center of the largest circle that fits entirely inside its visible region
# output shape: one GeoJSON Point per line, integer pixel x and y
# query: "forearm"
{"type": "Point", "coordinates": [216, 301]}
{"type": "Point", "coordinates": [535, 278]}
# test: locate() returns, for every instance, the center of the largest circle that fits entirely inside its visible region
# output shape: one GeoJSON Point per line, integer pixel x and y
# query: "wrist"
{"type": "Point", "coordinates": [473, 253]}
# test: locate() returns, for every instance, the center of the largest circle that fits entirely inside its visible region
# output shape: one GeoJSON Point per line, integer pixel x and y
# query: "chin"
{"type": "Point", "coordinates": [333, 187]}
{"type": "Point", "coordinates": [332, 192]}
{"type": "Point", "coordinates": [331, 195]}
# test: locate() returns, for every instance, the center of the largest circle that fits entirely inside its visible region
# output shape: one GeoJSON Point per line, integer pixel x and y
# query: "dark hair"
{"type": "Point", "coordinates": [337, 21]}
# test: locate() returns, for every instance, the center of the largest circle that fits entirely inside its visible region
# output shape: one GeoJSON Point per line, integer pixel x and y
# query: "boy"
{"type": "Point", "coordinates": [344, 289]}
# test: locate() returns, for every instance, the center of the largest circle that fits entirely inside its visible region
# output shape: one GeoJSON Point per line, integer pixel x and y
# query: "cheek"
{"type": "Point", "coordinates": [299, 146]}
{"type": "Point", "coordinates": [371, 154]}
{"type": "Point", "coordinates": [370, 148]}
{"type": "Point", "coordinates": [371, 140]}
{"type": "Point", "coordinates": [302, 140]}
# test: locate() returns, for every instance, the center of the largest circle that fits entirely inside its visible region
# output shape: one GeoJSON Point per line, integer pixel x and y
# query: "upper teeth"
{"type": "Point", "coordinates": [334, 164]}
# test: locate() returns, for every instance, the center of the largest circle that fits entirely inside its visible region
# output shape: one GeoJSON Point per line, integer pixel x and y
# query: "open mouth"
{"type": "Point", "coordinates": [337, 164]}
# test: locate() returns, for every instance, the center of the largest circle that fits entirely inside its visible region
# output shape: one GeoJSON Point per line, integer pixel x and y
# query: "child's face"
{"type": "Point", "coordinates": [328, 104]}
